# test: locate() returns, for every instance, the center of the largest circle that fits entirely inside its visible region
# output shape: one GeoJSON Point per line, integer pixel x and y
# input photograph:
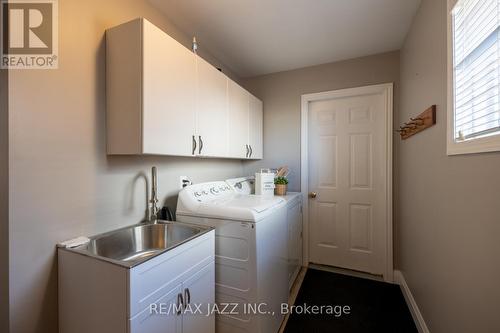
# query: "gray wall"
{"type": "Point", "coordinates": [4, 202]}
{"type": "Point", "coordinates": [449, 232]}
{"type": "Point", "coordinates": [62, 184]}
{"type": "Point", "coordinates": [281, 93]}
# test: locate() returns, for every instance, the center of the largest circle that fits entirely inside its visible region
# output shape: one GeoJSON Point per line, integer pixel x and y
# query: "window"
{"type": "Point", "coordinates": [474, 115]}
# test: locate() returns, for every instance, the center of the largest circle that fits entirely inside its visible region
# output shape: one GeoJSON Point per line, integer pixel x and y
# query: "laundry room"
{"type": "Point", "coordinates": [248, 166]}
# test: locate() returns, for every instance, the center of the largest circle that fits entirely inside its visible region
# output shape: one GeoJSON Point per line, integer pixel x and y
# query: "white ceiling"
{"type": "Point", "coordinates": [255, 37]}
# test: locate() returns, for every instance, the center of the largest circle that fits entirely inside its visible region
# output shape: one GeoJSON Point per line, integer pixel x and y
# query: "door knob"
{"type": "Point", "coordinates": [313, 195]}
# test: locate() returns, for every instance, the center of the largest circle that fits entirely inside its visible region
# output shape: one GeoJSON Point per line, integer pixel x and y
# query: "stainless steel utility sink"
{"type": "Point", "coordinates": [135, 244]}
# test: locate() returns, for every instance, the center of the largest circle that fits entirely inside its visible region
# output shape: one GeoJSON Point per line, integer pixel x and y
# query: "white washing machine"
{"type": "Point", "coordinates": [251, 253]}
{"type": "Point", "coordinates": [246, 185]}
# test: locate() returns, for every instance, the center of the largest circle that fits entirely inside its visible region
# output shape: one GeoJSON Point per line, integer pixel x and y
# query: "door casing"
{"type": "Point", "coordinates": [387, 90]}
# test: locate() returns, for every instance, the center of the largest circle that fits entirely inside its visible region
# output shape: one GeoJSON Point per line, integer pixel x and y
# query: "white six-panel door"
{"type": "Point", "coordinates": [347, 174]}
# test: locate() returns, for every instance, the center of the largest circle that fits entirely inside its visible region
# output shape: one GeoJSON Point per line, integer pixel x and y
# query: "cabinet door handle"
{"type": "Point", "coordinates": [251, 150]}
{"type": "Point", "coordinates": [201, 144]}
{"type": "Point", "coordinates": [187, 296]}
{"type": "Point", "coordinates": [180, 303]}
{"type": "Point", "coordinates": [194, 145]}
{"type": "Point", "coordinates": [248, 151]}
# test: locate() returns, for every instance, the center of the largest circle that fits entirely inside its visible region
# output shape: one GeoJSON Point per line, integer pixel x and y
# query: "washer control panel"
{"type": "Point", "coordinates": [209, 191]}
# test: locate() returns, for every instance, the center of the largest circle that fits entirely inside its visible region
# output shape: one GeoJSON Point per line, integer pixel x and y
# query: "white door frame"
{"type": "Point", "coordinates": [387, 90]}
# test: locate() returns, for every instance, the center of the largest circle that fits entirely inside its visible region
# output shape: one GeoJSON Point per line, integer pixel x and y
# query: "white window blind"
{"type": "Point", "coordinates": [476, 60]}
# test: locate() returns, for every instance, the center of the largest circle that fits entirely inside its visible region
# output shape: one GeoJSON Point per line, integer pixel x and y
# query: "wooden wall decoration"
{"type": "Point", "coordinates": [424, 120]}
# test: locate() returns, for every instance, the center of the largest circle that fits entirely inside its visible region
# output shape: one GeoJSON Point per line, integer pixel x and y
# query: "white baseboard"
{"type": "Point", "coordinates": [410, 301]}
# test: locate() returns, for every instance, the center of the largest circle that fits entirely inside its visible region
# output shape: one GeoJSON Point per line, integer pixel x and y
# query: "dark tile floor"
{"type": "Point", "coordinates": [374, 306]}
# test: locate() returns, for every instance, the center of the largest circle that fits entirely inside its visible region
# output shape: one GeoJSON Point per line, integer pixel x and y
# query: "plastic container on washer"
{"type": "Point", "coordinates": [264, 182]}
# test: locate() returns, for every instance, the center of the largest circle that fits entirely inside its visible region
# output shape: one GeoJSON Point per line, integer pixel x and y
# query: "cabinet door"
{"type": "Point", "coordinates": [238, 120]}
{"type": "Point", "coordinates": [162, 316]}
{"type": "Point", "coordinates": [256, 128]}
{"type": "Point", "coordinates": [212, 111]}
{"type": "Point", "coordinates": [169, 104]}
{"type": "Point", "coordinates": [199, 294]}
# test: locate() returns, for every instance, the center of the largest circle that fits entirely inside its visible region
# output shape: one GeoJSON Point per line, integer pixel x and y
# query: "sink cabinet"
{"type": "Point", "coordinates": [162, 99]}
{"type": "Point", "coordinates": [100, 296]}
{"type": "Point", "coordinates": [186, 321]}
{"type": "Point", "coordinates": [146, 322]}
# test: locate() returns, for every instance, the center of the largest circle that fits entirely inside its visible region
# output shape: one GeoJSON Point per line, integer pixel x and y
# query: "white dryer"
{"type": "Point", "coordinates": [251, 253]}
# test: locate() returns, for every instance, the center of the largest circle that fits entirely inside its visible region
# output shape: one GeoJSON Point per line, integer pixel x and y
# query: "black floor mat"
{"type": "Point", "coordinates": [374, 306]}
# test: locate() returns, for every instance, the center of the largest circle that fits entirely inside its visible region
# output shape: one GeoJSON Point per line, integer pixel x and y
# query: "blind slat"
{"type": "Point", "coordinates": [473, 26]}
{"type": "Point", "coordinates": [480, 92]}
{"type": "Point", "coordinates": [493, 130]}
{"type": "Point", "coordinates": [479, 109]}
{"type": "Point", "coordinates": [480, 128]}
{"type": "Point", "coordinates": [493, 113]}
{"type": "Point", "coordinates": [476, 65]}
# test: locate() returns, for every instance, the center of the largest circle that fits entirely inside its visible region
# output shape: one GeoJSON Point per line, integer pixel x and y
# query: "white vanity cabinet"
{"type": "Point", "coordinates": [196, 296]}
{"type": "Point", "coordinates": [157, 296]}
{"type": "Point", "coordinates": [203, 297]}
{"type": "Point", "coordinates": [162, 99]}
{"type": "Point", "coordinates": [170, 321]}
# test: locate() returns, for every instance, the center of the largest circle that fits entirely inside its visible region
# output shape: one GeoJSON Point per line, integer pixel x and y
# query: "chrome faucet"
{"type": "Point", "coordinates": [153, 212]}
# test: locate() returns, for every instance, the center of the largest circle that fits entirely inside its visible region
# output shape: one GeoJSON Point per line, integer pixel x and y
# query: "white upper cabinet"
{"type": "Point", "coordinates": [151, 96]}
{"type": "Point", "coordinates": [212, 111]}
{"type": "Point", "coordinates": [239, 100]}
{"type": "Point", "coordinates": [162, 99]}
{"type": "Point", "coordinates": [245, 123]}
{"type": "Point", "coordinates": [169, 76]}
{"type": "Point", "coordinates": [255, 128]}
